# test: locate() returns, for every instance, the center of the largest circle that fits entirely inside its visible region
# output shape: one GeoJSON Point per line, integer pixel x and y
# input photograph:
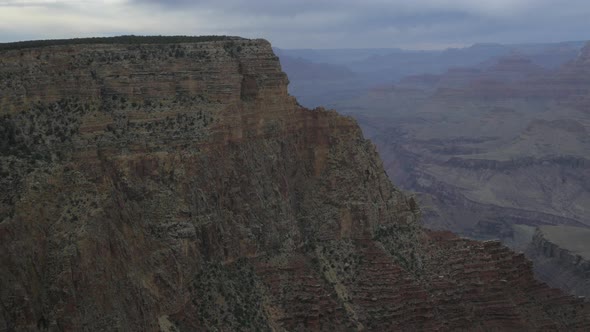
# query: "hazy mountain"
{"type": "Point", "coordinates": [387, 66]}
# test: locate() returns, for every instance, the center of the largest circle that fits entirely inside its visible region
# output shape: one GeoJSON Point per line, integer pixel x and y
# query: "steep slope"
{"type": "Point", "coordinates": [177, 186]}
{"type": "Point", "coordinates": [562, 257]}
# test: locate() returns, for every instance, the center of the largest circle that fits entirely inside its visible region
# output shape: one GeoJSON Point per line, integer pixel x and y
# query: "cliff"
{"type": "Point", "coordinates": [562, 257]}
{"type": "Point", "coordinates": [177, 186]}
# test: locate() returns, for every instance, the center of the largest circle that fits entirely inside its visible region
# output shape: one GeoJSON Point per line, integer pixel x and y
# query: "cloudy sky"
{"type": "Point", "coordinates": [415, 24]}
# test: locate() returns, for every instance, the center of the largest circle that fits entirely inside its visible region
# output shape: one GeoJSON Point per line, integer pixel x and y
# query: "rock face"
{"type": "Point", "coordinates": [177, 186]}
{"type": "Point", "coordinates": [562, 257]}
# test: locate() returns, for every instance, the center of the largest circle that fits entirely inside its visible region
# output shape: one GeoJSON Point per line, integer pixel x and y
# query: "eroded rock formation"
{"type": "Point", "coordinates": [562, 257]}
{"type": "Point", "coordinates": [179, 187]}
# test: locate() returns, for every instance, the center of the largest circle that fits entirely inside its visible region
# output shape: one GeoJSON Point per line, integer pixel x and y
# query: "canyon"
{"type": "Point", "coordinates": [491, 151]}
{"type": "Point", "coordinates": [165, 185]}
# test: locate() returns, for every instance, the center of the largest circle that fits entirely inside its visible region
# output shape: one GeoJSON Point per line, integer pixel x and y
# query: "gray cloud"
{"type": "Point", "coordinates": [306, 23]}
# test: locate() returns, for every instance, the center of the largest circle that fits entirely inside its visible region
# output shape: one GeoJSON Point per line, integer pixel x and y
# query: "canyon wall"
{"type": "Point", "coordinates": [178, 186]}
{"type": "Point", "coordinates": [562, 257]}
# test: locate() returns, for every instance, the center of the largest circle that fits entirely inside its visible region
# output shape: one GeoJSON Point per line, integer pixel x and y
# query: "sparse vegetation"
{"type": "Point", "coordinates": [128, 39]}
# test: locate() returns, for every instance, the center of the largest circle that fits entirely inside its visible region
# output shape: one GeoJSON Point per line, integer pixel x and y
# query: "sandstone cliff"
{"type": "Point", "coordinates": [177, 186]}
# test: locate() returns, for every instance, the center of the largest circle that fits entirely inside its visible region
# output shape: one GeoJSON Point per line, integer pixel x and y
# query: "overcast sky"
{"type": "Point", "coordinates": [415, 24]}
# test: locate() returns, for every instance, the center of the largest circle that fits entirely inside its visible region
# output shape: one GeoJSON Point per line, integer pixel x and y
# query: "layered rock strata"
{"type": "Point", "coordinates": [562, 257]}
{"type": "Point", "coordinates": [177, 186]}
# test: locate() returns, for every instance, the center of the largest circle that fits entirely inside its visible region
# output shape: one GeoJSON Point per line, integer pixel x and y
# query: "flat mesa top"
{"type": "Point", "coordinates": [573, 239]}
{"type": "Point", "coordinates": [115, 40]}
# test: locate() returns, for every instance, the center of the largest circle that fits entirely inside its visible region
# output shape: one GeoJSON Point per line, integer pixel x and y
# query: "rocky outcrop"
{"type": "Point", "coordinates": [177, 186]}
{"type": "Point", "coordinates": [562, 257]}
